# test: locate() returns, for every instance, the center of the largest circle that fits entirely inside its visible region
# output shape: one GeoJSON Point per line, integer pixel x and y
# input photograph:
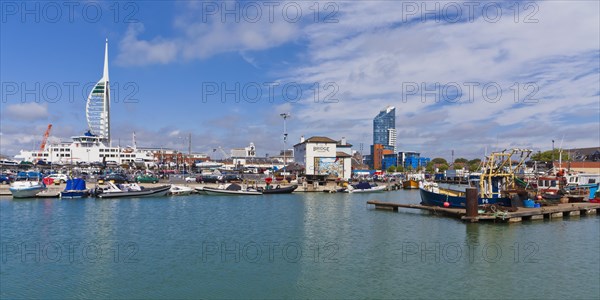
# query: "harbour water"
{"type": "Point", "coordinates": [303, 245]}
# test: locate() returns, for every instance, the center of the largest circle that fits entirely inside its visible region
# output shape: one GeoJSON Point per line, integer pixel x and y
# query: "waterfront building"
{"type": "Point", "coordinates": [285, 156]}
{"type": "Point", "coordinates": [379, 151]}
{"type": "Point", "coordinates": [584, 154]}
{"type": "Point", "coordinates": [389, 160]}
{"type": "Point", "coordinates": [409, 160]}
{"type": "Point", "coordinates": [412, 160]}
{"type": "Point", "coordinates": [343, 146]}
{"type": "Point", "coordinates": [368, 160]}
{"type": "Point", "coordinates": [245, 152]}
{"type": "Point", "coordinates": [591, 167]}
{"type": "Point", "coordinates": [384, 136]}
{"type": "Point", "coordinates": [320, 158]}
{"type": "Point", "coordinates": [95, 144]}
{"type": "Point", "coordinates": [384, 129]}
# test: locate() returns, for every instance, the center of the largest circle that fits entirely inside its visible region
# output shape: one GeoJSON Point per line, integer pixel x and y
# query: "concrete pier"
{"type": "Point", "coordinates": [522, 214]}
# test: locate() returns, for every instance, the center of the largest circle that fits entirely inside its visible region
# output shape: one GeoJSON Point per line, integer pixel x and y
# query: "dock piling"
{"type": "Point", "coordinates": [472, 203]}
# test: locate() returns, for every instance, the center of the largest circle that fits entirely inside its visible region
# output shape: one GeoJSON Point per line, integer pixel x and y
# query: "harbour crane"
{"type": "Point", "coordinates": [44, 141]}
{"type": "Point", "coordinates": [225, 155]}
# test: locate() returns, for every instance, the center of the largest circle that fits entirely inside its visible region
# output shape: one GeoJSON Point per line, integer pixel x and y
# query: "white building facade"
{"type": "Point", "coordinates": [320, 157]}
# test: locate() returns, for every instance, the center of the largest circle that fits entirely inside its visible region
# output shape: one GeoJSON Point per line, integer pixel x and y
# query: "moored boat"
{"type": "Point", "coordinates": [412, 181]}
{"type": "Point", "coordinates": [365, 187]}
{"type": "Point", "coordinates": [179, 190]}
{"type": "Point", "coordinates": [495, 185]}
{"type": "Point", "coordinates": [75, 188]}
{"type": "Point", "coordinates": [433, 195]}
{"type": "Point", "coordinates": [409, 184]}
{"type": "Point", "coordinates": [280, 190]}
{"type": "Point", "coordinates": [131, 190]}
{"type": "Point", "coordinates": [231, 190]}
{"type": "Point", "coordinates": [26, 188]}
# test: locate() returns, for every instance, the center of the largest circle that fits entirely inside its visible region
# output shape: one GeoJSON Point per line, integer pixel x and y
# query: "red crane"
{"type": "Point", "coordinates": [44, 140]}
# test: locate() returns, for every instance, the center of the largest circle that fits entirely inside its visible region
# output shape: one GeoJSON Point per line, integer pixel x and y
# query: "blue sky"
{"type": "Point", "coordinates": [165, 57]}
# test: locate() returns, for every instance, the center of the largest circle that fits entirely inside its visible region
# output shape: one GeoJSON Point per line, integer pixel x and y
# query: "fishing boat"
{"type": "Point", "coordinates": [231, 190]}
{"type": "Point", "coordinates": [365, 187]}
{"type": "Point", "coordinates": [596, 198]}
{"type": "Point", "coordinates": [496, 184]}
{"type": "Point", "coordinates": [131, 190]}
{"type": "Point", "coordinates": [412, 181]}
{"type": "Point", "coordinates": [75, 188]}
{"type": "Point", "coordinates": [280, 190]}
{"type": "Point", "coordinates": [582, 179]}
{"type": "Point", "coordinates": [179, 190]}
{"type": "Point", "coordinates": [26, 188]}
{"type": "Point", "coordinates": [409, 184]}
{"type": "Point", "coordinates": [433, 195]}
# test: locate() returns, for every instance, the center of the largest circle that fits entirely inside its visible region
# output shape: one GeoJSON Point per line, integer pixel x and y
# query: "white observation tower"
{"type": "Point", "coordinates": [98, 105]}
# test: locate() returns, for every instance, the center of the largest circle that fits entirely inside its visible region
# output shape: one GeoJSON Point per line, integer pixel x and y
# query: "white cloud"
{"type": "Point", "coordinates": [174, 133]}
{"type": "Point", "coordinates": [134, 51]}
{"type": "Point", "coordinates": [372, 51]}
{"type": "Point", "coordinates": [26, 111]}
{"type": "Point", "coordinates": [199, 38]}
{"type": "Point", "coordinates": [369, 59]}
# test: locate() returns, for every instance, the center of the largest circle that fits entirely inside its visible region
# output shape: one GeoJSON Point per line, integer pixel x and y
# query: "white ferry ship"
{"type": "Point", "coordinates": [95, 144]}
{"type": "Point", "coordinates": [87, 148]}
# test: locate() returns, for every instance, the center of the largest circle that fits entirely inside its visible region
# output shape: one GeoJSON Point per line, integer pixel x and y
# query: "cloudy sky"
{"type": "Point", "coordinates": [464, 76]}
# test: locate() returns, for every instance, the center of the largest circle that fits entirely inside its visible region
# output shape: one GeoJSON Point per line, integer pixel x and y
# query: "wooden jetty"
{"type": "Point", "coordinates": [545, 212]}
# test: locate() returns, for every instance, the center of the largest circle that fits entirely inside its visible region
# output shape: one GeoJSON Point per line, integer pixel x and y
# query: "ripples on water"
{"type": "Point", "coordinates": [312, 245]}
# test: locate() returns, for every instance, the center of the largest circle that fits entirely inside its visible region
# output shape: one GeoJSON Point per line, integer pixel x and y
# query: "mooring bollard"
{"type": "Point", "coordinates": [472, 202]}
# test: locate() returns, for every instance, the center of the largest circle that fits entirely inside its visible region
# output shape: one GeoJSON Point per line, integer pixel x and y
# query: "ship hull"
{"type": "Point", "coordinates": [410, 184]}
{"type": "Point", "coordinates": [438, 199]}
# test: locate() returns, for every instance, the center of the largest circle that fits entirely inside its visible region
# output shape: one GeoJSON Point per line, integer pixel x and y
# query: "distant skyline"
{"type": "Point", "coordinates": [464, 76]}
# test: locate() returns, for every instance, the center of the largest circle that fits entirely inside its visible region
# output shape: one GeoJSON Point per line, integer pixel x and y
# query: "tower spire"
{"type": "Point", "coordinates": [105, 74]}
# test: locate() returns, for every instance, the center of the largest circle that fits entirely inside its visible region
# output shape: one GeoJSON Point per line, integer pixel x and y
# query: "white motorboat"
{"type": "Point", "coordinates": [365, 187]}
{"type": "Point", "coordinates": [131, 190]}
{"type": "Point", "coordinates": [179, 190]}
{"type": "Point", "coordinates": [26, 189]}
{"type": "Point", "coordinates": [232, 190]}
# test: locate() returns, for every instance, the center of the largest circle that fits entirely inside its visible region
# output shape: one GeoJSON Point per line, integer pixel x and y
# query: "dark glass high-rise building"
{"type": "Point", "coordinates": [384, 128]}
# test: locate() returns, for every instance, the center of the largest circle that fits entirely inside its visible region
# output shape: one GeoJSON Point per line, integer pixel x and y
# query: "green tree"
{"type": "Point", "coordinates": [440, 163]}
{"type": "Point", "coordinates": [400, 169]}
{"type": "Point", "coordinates": [547, 155]}
{"type": "Point", "coordinates": [461, 160]}
{"type": "Point", "coordinates": [443, 167]}
{"type": "Point", "coordinates": [391, 169]}
{"type": "Point", "coordinates": [473, 164]}
{"type": "Point", "coordinates": [439, 160]}
{"type": "Point", "coordinates": [429, 168]}
{"type": "Point", "coordinates": [474, 161]}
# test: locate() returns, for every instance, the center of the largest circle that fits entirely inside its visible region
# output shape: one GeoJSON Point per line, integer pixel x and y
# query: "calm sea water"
{"type": "Point", "coordinates": [313, 245]}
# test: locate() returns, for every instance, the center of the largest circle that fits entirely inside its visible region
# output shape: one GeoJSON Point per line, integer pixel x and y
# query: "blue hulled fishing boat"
{"type": "Point", "coordinates": [496, 184]}
{"type": "Point", "coordinates": [433, 195]}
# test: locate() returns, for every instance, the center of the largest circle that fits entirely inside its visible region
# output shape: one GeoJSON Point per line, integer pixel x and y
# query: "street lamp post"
{"type": "Point", "coordinates": [284, 116]}
{"type": "Point", "coordinates": [553, 155]}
